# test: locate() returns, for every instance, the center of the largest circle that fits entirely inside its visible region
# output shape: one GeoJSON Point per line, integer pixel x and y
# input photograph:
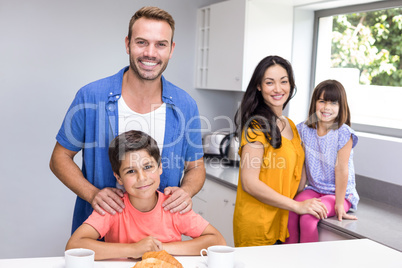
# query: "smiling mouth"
{"type": "Point", "coordinates": [143, 187]}
{"type": "Point", "coordinates": [148, 63]}
{"type": "Point", "coordinates": [326, 114]}
{"type": "Point", "coordinates": [277, 97]}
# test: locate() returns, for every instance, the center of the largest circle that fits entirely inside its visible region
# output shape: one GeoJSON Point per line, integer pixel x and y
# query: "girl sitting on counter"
{"type": "Point", "coordinates": [328, 142]}
{"type": "Point", "coordinates": [271, 159]}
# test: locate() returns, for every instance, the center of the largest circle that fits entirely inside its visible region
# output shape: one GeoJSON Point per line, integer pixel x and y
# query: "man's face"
{"type": "Point", "coordinates": [150, 48]}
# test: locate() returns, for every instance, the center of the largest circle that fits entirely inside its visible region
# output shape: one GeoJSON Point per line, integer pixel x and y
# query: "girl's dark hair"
{"type": "Point", "coordinates": [333, 91]}
{"type": "Point", "coordinates": [131, 141]}
{"type": "Point", "coordinates": [254, 113]}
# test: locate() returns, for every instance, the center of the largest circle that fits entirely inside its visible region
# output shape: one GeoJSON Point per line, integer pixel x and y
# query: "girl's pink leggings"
{"type": "Point", "coordinates": [303, 228]}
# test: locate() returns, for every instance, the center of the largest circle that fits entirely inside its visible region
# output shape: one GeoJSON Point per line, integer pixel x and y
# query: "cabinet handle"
{"type": "Point", "coordinates": [225, 200]}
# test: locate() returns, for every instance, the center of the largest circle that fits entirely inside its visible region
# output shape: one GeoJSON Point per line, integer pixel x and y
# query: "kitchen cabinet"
{"type": "Point", "coordinates": [326, 233]}
{"type": "Point", "coordinates": [233, 36]}
{"type": "Point", "coordinates": [215, 203]}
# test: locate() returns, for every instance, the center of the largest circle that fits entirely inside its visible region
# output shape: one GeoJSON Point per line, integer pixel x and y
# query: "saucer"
{"type": "Point", "coordinates": [238, 264]}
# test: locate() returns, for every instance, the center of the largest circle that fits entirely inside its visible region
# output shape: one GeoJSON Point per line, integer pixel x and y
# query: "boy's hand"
{"type": "Point", "coordinates": [144, 245]}
{"type": "Point", "coordinates": [179, 200]}
{"type": "Point", "coordinates": [108, 200]}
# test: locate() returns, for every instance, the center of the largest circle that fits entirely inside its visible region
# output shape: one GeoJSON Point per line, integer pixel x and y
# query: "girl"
{"type": "Point", "coordinates": [328, 142]}
{"type": "Point", "coordinates": [271, 159]}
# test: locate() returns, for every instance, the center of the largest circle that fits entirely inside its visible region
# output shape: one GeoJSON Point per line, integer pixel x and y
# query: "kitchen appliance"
{"type": "Point", "coordinates": [229, 149]}
{"type": "Point", "coordinates": [212, 142]}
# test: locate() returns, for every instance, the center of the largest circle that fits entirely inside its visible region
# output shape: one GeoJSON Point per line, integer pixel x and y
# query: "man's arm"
{"type": "Point", "coordinates": [63, 166]}
{"type": "Point", "coordinates": [193, 180]}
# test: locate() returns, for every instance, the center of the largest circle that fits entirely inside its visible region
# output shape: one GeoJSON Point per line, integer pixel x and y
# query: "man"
{"type": "Point", "coordinates": [138, 97]}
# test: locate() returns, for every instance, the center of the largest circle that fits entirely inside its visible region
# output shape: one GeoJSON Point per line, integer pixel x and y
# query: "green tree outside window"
{"type": "Point", "coordinates": [370, 42]}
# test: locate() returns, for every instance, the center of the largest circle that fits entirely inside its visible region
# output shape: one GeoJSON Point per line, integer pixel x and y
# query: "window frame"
{"type": "Point", "coordinates": [385, 131]}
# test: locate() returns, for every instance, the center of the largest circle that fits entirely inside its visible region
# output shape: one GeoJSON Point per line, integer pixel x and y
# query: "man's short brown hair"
{"type": "Point", "coordinates": [153, 13]}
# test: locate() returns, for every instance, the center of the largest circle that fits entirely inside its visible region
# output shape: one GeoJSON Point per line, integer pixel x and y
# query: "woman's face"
{"type": "Point", "coordinates": [275, 88]}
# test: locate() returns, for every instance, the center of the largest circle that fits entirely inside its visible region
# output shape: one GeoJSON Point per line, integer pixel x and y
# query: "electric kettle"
{"type": "Point", "coordinates": [229, 148]}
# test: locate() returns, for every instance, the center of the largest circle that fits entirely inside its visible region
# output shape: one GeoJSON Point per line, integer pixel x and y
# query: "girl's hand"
{"type": "Point", "coordinates": [341, 214]}
{"type": "Point", "coordinates": [313, 206]}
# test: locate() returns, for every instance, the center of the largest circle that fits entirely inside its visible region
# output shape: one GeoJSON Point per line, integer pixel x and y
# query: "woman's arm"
{"type": "Point", "coordinates": [303, 180]}
{"type": "Point", "coordinates": [209, 237]}
{"type": "Point", "coordinates": [251, 160]}
{"type": "Point", "coordinates": [341, 180]}
{"type": "Point", "coordinates": [86, 237]}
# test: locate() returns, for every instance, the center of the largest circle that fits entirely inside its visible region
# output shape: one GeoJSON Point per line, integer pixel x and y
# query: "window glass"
{"type": "Point", "coordinates": [364, 52]}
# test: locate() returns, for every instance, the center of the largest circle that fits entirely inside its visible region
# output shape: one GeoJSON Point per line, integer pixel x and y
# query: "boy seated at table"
{"type": "Point", "coordinates": [143, 225]}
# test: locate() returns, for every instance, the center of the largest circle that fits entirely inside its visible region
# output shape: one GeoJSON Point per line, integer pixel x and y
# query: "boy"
{"type": "Point", "coordinates": [143, 225]}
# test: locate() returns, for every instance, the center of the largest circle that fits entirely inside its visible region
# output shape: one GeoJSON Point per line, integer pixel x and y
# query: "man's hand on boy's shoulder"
{"type": "Point", "coordinates": [179, 200]}
{"type": "Point", "coordinates": [108, 200]}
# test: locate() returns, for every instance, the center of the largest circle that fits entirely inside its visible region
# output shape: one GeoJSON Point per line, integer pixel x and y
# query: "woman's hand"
{"type": "Point", "coordinates": [312, 206]}
{"type": "Point", "coordinates": [341, 214]}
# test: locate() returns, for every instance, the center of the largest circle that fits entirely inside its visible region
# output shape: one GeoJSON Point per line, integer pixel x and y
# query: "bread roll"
{"type": "Point", "coordinates": [153, 263]}
{"type": "Point", "coordinates": [158, 259]}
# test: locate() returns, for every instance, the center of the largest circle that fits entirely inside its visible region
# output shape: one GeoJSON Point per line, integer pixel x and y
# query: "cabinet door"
{"type": "Point", "coordinates": [221, 46]}
{"type": "Point", "coordinates": [326, 233]}
{"type": "Point", "coordinates": [220, 208]}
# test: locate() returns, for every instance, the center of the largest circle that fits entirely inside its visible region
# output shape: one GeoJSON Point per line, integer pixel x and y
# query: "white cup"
{"type": "Point", "coordinates": [79, 258]}
{"type": "Point", "coordinates": [219, 256]}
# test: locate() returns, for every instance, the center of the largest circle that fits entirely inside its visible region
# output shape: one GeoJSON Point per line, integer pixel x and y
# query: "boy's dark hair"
{"type": "Point", "coordinates": [131, 141]}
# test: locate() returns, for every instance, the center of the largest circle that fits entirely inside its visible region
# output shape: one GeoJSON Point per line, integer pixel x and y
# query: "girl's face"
{"type": "Point", "coordinates": [275, 87]}
{"type": "Point", "coordinates": [326, 111]}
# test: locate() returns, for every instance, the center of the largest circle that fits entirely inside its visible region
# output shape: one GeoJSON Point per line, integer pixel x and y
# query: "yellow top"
{"type": "Point", "coordinates": [256, 223]}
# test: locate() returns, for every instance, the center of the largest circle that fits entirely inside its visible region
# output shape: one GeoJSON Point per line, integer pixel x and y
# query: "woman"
{"type": "Point", "coordinates": [271, 159]}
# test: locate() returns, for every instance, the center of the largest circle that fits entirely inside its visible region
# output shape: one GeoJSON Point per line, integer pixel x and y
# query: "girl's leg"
{"type": "Point", "coordinates": [293, 221]}
{"type": "Point", "coordinates": [308, 223]}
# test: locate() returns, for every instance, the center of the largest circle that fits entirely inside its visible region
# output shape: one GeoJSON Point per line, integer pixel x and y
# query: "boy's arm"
{"type": "Point", "coordinates": [209, 237]}
{"type": "Point", "coordinates": [87, 237]}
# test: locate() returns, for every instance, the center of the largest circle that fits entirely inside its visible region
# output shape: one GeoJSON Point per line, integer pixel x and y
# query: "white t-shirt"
{"type": "Point", "coordinates": [152, 123]}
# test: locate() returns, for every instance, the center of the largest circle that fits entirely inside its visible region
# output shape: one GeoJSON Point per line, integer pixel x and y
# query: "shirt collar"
{"type": "Point", "coordinates": [168, 94]}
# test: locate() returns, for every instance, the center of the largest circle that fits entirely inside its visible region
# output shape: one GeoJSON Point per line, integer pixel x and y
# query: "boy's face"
{"type": "Point", "coordinates": [139, 174]}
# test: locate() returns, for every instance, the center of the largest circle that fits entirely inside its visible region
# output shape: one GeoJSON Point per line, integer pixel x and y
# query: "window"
{"type": "Point", "coordinates": [361, 46]}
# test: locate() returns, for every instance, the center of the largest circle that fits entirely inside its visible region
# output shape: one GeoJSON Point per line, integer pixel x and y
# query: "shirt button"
{"type": "Point", "coordinates": [111, 107]}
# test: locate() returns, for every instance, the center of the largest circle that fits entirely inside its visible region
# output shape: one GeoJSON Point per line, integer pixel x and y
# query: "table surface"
{"type": "Point", "coordinates": [351, 253]}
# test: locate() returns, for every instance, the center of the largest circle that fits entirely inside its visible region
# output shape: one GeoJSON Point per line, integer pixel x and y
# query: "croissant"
{"type": "Point", "coordinates": [158, 259]}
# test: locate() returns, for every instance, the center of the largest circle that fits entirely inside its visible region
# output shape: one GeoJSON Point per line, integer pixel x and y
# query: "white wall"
{"type": "Point", "coordinates": [48, 50]}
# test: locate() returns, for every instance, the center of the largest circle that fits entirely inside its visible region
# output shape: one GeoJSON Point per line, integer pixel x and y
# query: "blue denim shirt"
{"type": "Point", "coordinates": [91, 123]}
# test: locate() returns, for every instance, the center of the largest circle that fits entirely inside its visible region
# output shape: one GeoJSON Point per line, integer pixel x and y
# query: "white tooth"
{"type": "Point", "coordinates": [147, 63]}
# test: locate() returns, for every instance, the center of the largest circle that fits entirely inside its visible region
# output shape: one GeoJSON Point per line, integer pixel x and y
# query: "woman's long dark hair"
{"type": "Point", "coordinates": [254, 113]}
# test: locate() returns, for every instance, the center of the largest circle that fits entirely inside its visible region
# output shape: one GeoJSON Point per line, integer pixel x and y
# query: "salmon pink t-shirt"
{"type": "Point", "coordinates": [132, 225]}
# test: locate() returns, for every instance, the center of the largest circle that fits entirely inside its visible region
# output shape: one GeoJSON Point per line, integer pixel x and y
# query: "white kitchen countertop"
{"type": "Point", "coordinates": [333, 254]}
{"type": "Point", "coordinates": [377, 221]}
